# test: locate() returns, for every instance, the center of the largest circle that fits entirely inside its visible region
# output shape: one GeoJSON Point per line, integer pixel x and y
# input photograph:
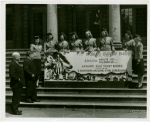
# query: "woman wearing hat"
{"type": "Point", "coordinates": [106, 43]}
{"type": "Point", "coordinates": [63, 45]}
{"type": "Point", "coordinates": [51, 45]}
{"type": "Point", "coordinates": [37, 48]}
{"type": "Point", "coordinates": [90, 42]}
{"type": "Point", "coordinates": [75, 44]}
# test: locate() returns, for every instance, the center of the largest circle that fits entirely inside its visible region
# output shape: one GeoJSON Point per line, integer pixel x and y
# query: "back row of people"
{"type": "Point", "coordinates": [76, 44]}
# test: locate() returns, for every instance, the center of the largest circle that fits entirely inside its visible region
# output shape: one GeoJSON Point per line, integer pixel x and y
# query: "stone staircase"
{"type": "Point", "coordinates": [83, 94]}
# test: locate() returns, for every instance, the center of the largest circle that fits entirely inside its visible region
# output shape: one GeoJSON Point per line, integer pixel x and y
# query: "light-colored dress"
{"type": "Point", "coordinates": [37, 49]}
{"type": "Point", "coordinates": [106, 44]}
{"type": "Point", "coordinates": [128, 44]}
{"type": "Point", "coordinates": [76, 45]}
{"type": "Point", "coordinates": [51, 46]}
{"type": "Point", "coordinates": [63, 46]}
{"type": "Point", "coordinates": [90, 44]}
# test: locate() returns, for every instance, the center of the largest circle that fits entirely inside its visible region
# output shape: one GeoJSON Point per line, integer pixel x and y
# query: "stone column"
{"type": "Point", "coordinates": [18, 26]}
{"type": "Point", "coordinates": [114, 24]}
{"type": "Point", "coordinates": [52, 20]}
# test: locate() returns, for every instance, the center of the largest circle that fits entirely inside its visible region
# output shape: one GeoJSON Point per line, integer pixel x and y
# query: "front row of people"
{"type": "Point", "coordinates": [20, 77]}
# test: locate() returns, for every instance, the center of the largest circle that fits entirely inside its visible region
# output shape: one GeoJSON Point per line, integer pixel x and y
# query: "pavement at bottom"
{"type": "Point", "coordinates": [77, 113]}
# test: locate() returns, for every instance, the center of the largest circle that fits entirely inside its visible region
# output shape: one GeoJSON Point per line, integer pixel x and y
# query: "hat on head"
{"type": "Point", "coordinates": [15, 54]}
{"type": "Point", "coordinates": [63, 35]}
{"type": "Point", "coordinates": [49, 34]}
{"type": "Point", "coordinates": [136, 35]}
{"type": "Point", "coordinates": [74, 33]}
{"type": "Point", "coordinates": [87, 30]}
{"type": "Point", "coordinates": [104, 29]}
{"type": "Point", "coordinates": [29, 53]}
{"type": "Point", "coordinates": [36, 37]}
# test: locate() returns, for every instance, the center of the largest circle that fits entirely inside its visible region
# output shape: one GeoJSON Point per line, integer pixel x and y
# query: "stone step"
{"type": "Point", "coordinates": [113, 84]}
{"type": "Point", "coordinates": [86, 97]}
{"type": "Point", "coordinates": [22, 52]}
{"type": "Point", "coordinates": [84, 85]}
{"type": "Point", "coordinates": [135, 75]}
{"type": "Point", "coordinates": [8, 50]}
{"type": "Point", "coordinates": [102, 91]}
{"type": "Point", "coordinates": [8, 60]}
{"type": "Point", "coordinates": [137, 104]}
{"type": "Point", "coordinates": [7, 70]}
{"type": "Point", "coordinates": [7, 65]}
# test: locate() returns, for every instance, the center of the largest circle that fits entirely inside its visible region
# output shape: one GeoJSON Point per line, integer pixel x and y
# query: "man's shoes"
{"type": "Point", "coordinates": [20, 111]}
{"type": "Point", "coordinates": [17, 113]}
{"type": "Point", "coordinates": [36, 100]}
{"type": "Point", "coordinates": [140, 86]}
{"type": "Point", "coordinates": [29, 101]}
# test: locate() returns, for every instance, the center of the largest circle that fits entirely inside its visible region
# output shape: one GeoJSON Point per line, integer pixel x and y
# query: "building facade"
{"type": "Point", "coordinates": [24, 21]}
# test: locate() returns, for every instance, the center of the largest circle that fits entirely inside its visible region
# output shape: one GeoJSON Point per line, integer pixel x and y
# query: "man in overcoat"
{"type": "Point", "coordinates": [30, 74]}
{"type": "Point", "coordinates": [16, 82]}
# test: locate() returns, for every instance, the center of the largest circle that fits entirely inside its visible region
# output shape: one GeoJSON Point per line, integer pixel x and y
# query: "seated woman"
{"type": "Point", "coordinates": [63, 45]}
{"type": "Point", "coordinates": [37, 48]}
{"type": "Point", "coordinates": [89, 43]}
{"type": "Point", "coordinates": [75, 44]}
{"type": "Point", "coordinates": [106, 43]}
{"type": "Point", "coordinates": [50, 45]}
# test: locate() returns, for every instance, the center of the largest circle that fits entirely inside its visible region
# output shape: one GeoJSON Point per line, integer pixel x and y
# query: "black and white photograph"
{"type": "Point", "coordinates": [76, 60]}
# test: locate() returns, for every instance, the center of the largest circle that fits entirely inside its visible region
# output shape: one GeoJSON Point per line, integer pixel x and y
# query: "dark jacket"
{"type": "Point", "coordinates": [29, 69]}
{"type": "Point", "coordinates": [16, 73]}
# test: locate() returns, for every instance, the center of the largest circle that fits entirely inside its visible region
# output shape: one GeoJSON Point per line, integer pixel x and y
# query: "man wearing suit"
{"type": "Point", "coordinates": [16, 82]}
{"type": "Point", "coordinates": [30, 74]}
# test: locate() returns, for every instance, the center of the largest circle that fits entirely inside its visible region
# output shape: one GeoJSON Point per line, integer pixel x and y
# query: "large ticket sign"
{"type": "Point", "coordinates": [89, 66]}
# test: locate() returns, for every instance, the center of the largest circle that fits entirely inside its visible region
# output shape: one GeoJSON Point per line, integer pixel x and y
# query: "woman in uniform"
{"type": "Point", "coordinates": [37, 48]}
{"type": "Point", "coordinates": [139, 64]}
{"type": "Point", "coordinates": [90, 42]}
{"type": "Point", "coordinates": [106, 42]}
{"type": "Point", "coordinates": [75, 44]}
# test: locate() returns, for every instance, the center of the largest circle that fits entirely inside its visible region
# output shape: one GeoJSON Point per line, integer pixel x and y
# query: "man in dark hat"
{"type": "Point", "coordinates": [16, 82]}
{"type": "Point", "coordinates": [30, 74]}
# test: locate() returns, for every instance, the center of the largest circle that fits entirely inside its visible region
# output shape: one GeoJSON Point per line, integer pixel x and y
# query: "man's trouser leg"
{"type": "Point", "coordinates": [16, 98]}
